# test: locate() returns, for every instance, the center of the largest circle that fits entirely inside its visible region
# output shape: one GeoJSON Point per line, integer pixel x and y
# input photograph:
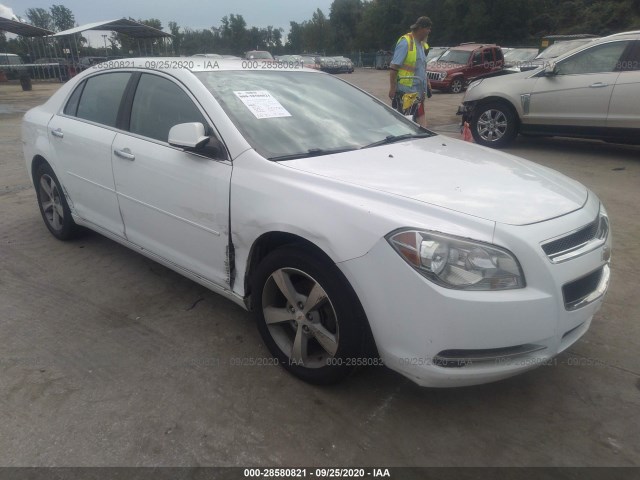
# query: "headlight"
{"type": "Point", "coordinates": [458, 263]}
{"type": "Point", "coordinates": [443, 75]}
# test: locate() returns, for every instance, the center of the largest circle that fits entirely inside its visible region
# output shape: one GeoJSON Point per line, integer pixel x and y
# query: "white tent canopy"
{"type": "Point", "coordinates": [23, 29]}
{"type": "Point", "coordinates": [123, 25]}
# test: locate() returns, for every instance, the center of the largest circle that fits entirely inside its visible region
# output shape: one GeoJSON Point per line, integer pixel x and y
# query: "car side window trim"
{"type": "Point", "coordinates": [124, 113]}
{"type": "Point", "coordinates": [586, 50]}
{"type": "Point", "coordinates": [82, 85]}
{"type": "Point", "coordinates": [79, 90]}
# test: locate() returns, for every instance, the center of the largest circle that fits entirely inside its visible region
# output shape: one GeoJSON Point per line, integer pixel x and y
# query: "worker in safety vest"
{"type": "Point", "coordinates": [410, 60]}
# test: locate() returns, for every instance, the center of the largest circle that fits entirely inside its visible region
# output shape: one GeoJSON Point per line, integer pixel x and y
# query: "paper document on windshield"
{"type": "Point", "coordinates": [262, 104]}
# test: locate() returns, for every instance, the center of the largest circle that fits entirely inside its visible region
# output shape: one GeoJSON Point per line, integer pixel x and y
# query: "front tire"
{"type": "Point", "coordinates": [53, 205]}
{"type": "Point", "coordinates": [308, 315]}
{"type": "Point", "coordinates": [494, 125]}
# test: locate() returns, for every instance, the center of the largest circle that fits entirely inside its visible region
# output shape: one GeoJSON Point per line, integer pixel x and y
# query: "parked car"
{"type": "Point", "coordinates": [329, 64]}
{"type": "Point", "coordinates": [12, 65]}
{"type": "Point", "coordinates": [515, 58]}
{"type": "Point", "coordinates": [310, 62]}
{"type": "Point", "coordinates": [291, 61]}
{"type": "Point", "coordinates": [549, 40]}
{"type": "Point", "coordinates": [435, 53]}
{"type": "Point", "coordinates": [591, 92]}
{"type": "Point", "coordinates": [345, 64]}
{"type": "Point", "coordinates": [459, 65]}
{"type": "Point", "coordinates": [258, 55]}
{"type": "Point", "coordinates": [327, 229]}
{"type": "Point", "coordinates": [215, 56]}
{"type": "Point", "coordinates": [548, 55]}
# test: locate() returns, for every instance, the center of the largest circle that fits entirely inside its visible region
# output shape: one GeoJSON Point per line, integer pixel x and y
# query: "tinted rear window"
{"type": "Point", "coordinates": [101, 98]}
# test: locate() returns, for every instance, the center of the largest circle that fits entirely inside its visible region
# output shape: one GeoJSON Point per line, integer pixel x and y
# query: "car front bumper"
{"type": "Point", "coordinates": [441, 337]}
{"type": "Point", "coordinates": [466, 111]}
{"type": "Point", "coordinates": [441, 84]}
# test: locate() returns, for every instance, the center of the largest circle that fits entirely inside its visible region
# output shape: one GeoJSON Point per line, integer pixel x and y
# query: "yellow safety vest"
{"type": "Point", "coordinates": [408, 68]}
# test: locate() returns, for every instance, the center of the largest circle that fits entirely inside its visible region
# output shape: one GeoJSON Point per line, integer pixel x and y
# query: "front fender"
{"type": "Point", "coordinates": [343, 220]}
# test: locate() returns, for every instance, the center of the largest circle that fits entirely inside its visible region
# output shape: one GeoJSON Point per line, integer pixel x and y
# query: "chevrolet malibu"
{"type": "Point", "coordinates": [355, 236]}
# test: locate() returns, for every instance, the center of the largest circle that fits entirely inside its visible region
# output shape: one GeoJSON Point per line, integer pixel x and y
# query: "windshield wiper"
{"type": "Point", "coordinates": [312, 152]}
{"type": "Point", "coordinates": [397, 138]}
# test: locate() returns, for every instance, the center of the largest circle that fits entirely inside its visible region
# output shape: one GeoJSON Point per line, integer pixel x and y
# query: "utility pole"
{"type": "Point", "coordinates": [106, 54]}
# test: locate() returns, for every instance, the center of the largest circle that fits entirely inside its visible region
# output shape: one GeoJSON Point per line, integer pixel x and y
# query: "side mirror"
{"type": "Point", "coordinates": [550, 70]}
{"type": "Point", "coordinates": [190, 136]}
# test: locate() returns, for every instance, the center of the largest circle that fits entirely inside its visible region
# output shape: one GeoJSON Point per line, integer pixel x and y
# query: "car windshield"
{"type": "Point", "coordinates": [435, 53]}
{"type": "Point", "coordinates": [455, 56]}
{"type": "Point", "coordinates": [560, 48]}
{"type": "Point", "coordinates": [297, 113]}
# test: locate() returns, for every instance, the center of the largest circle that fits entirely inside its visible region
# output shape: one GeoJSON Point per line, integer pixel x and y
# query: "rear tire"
{"type": "Point", "coordinates": [53, 204]}
{"type": "Point", "coordinates": [457, 85]}
{"type": "Point", "coordinates": [308, 315]}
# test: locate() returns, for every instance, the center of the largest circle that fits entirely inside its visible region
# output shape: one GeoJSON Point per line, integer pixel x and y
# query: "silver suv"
{"type": "Point", "coordinates": [590, 92]}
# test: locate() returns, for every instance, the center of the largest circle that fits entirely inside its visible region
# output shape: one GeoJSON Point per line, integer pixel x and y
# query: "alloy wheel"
{"type": "Point", "coordinates": [51, 202]}
{"type": "Point", "coordinates": [492, 125]}
{"type": "Point", "coordinates": [300, 318]}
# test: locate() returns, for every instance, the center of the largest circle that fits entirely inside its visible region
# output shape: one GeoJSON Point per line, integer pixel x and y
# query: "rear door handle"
{"type": "Point", "coordinates": [598, 85]}
{"type": "Point", "coordinates": [57, 133]}
{"type": "Point", "coordinates": [125, 153]}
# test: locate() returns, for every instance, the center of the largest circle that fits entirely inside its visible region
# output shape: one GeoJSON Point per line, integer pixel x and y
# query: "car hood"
{"type": "Point", "coordinates": [455, 175]}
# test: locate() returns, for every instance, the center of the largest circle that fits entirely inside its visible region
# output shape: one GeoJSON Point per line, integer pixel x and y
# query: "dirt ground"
{"type": "Point", "coordinates": [109, 359]}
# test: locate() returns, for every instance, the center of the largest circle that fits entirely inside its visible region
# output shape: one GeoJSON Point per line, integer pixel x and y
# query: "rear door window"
{"type": "Point", "coordinates": [631, 62]}
{"type": "Point", "coordinates": [101, 97]}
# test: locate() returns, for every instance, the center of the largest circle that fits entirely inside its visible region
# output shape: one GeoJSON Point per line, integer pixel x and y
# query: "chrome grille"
{"type": "Point", "coordinates": [433, 75]}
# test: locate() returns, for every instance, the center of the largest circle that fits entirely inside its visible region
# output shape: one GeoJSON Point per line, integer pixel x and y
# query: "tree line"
{"type": "Point", "coordinates": [371, 25]}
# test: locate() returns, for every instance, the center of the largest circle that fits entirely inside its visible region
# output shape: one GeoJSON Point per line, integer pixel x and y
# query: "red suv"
{"type": "Point", "coordinates": [459, 65]}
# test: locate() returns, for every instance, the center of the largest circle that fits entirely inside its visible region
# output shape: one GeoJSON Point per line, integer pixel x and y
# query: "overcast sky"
{"type": "Point", "coordinates": [196, 14]}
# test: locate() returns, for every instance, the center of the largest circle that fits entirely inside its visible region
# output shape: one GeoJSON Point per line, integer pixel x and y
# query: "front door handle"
{"type": "Point", "coordinates": [57, 133]}
{"type": "Point", "coordinates": [598, 85]}
{"type": "Point", "coordinates": [125, 153]}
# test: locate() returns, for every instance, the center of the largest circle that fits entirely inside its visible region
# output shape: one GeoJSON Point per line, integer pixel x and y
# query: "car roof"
{"type": "Point", "coordinates": [472, 46]}
{"type": "Point", "coordinates": [633, 35]}
{"type": "Point", "coordinates": [199, 64]}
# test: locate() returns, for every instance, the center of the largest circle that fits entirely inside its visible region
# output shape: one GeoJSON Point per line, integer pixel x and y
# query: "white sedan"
{"type": "Point", "coordinates": [354, 235]}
